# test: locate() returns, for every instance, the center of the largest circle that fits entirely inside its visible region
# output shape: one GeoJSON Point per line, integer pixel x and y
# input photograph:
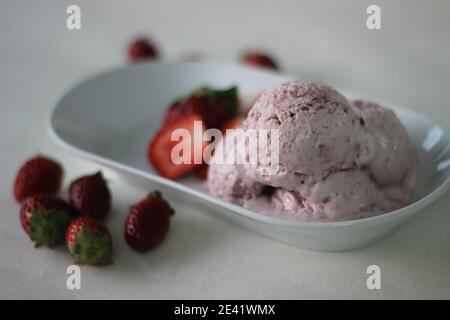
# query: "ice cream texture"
{"type": "Point", "coordinates": [338, 160]}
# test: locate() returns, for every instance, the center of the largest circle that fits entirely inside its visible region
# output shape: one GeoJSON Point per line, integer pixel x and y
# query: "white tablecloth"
{"type": "Point", "coordinates": [407, 62]}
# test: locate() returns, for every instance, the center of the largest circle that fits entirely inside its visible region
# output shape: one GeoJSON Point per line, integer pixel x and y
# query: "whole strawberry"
{"type": "Point", "coordinates": [89, 242]}
{"type": "Point", "coordinates": [45, 219]}
{"type": "Point", "coordinates": [38, 175]}
{"type": "Point", "coordinates": [215, 107]}
{"type": "Point", "coordinates": [260, 60]}
{"type": "Point", "coordinates": [148, 222]}
{"type": "Point", "coordinates": [90, 197]}
{"type": "Point", "coordinates": [142, 49]}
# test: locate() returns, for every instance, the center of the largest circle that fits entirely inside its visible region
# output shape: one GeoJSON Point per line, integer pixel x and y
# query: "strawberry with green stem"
{"type": "Point", "coordinates": [214, 106]}
{"type": "Point", "coordinates": [45, 219]}
{"type": "Point", "coordinates": [89, 242]}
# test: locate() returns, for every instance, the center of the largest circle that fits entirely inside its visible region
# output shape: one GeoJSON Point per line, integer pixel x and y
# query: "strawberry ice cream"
{"type": "Point", "coordinates": [393, 149]}
{"type": "Point", "coordinates": [229, 181]}
{"type": "Point", "coordinates": [337, 160]}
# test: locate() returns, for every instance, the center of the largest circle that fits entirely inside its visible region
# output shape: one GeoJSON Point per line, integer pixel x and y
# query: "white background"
{"type": "Point", "coordinates": [407, 62]}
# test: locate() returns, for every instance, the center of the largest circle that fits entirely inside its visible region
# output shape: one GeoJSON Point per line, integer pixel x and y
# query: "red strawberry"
{"type": "Point", "coordinates": [39, 175]}
{"type": "Point", "coordinates": [45, 219]}
{"type": "Point", "coordinates": [89, 242]}
{"type": "Point", "coordinates": [233, 123]}
{"type": "Point", "coordinates": [148, 222]}
{"type": "Point", "coordinates": [202, 172]}
{"type": "Point", "coordinates": [184, 108]}
{"type": "Point", "coordinates": [258, 59]}
{"type": "Point", "coordinates": [215, 107]}
{"type": "Point", "coordinates": [142, 49]}
{"type": "Point", "coordinates": [90, 197]}
{"type": "Point", "coordinates": [160, 148]}
{"type": "Point", "coordinates": [215, 115]}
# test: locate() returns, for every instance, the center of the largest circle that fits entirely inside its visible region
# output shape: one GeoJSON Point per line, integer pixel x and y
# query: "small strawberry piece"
{"type": "Point", "coordinates": [233, 123]}
{"type": "Point", "coordinates": [202, 172]}
{"type": "Point", "coordinates": [89, 242]}
{"type": "Point", "coordinates": [90, 197]}
{"type": "Point", "coordinates": [160, 148]}
{"type": "Point", "coordinates": [258, 59]}
{"type": "Point", "coordinates": [148, 222]}
{"type": "Point", "coordinates": [45, 219]}
{"type": "Point", "coordinates": [142, 49]}
{"type": "Point", "coordinates": [38, 175]}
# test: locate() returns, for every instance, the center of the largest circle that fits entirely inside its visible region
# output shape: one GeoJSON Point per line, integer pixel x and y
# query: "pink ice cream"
{"type": "Point", "coordinates": [337, 160]}
{"type": "Point", "coordinates": [393, 149]}
{"type": "Point", "coordinates": [229, 181]}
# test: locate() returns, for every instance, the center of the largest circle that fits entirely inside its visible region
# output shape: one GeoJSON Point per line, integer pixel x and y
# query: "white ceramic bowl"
{"type": "Point", "coordinates": [111, 117]}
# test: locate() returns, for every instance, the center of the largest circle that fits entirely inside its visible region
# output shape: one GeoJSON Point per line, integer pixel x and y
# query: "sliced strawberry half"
{"type": "Point", "coordinates": [160, 149]}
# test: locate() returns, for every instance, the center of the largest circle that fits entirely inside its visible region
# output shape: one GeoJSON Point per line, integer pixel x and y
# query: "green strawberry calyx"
{"type": "Point", "coordinates": [229, 97]}
{"type": "Point", "coordinates": [158, 194]}
{"type": "Point", "coordinates": [91, 247]}
{"type": "Point", "coordinates": [47, 227]}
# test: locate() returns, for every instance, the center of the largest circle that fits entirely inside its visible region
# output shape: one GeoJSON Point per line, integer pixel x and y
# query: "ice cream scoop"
{"type": "Point", "coordinates": [319, 133]}
{"type": "Point", "coordinates": [337, 160]}
{"type": "Point", "coordinates": [343, 194]}
{"type": "Point", "coordinates": [393, 149]}
{"type": "Point", "coordinates": [228, 180]}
